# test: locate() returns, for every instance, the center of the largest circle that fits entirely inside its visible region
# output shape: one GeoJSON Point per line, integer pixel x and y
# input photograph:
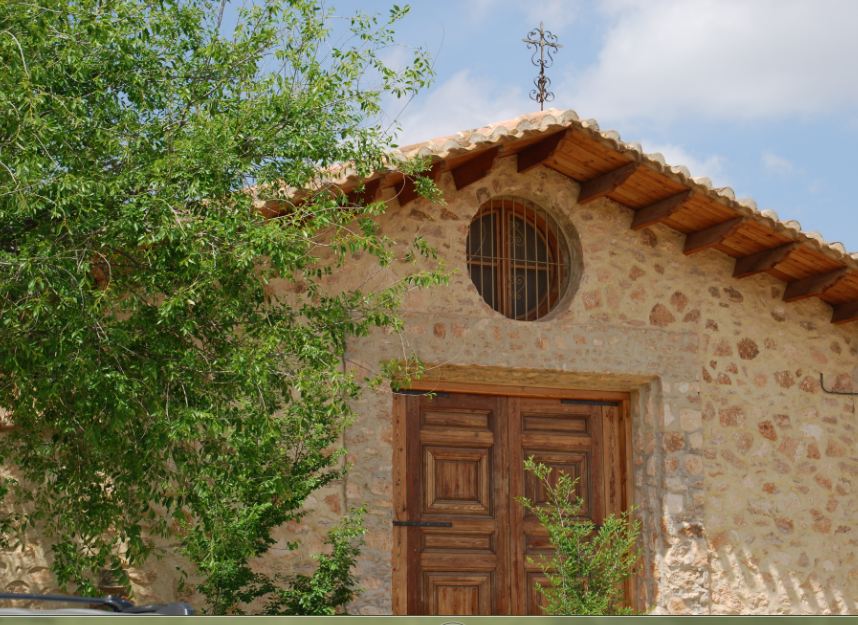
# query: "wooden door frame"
{"type": "Point", "coordinates": [400, 555]}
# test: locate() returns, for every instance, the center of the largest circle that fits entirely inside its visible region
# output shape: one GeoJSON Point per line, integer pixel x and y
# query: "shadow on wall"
{"type": "Point", "coordinates": [742, 585]}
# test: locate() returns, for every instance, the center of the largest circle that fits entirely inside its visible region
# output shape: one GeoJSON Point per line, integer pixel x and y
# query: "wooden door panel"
{"type": "Point", "coordinates": [463, 461]}
{"type": "Point", "coordinates": [457, 418]}
{"type": "Point", "coordinates": [575, 465]}
{"type": "Point", "coordinates": [535, 601]}
{"type": "Point", "coordinates": [456, 437]}
{"type": "Point", "coordinates": [460, 560]}
{"type": "Point", "coordinates": [566, 437]}
{"type": "Point", "coordinates": [557, 442]}
{"type": "Point", "coordinates": [613, 455]}
{"type": "Point", "coordinates": [554, 421]}
{"type": "Point", "coordinates": [453, 594]}
{"type": "Point", "coordinates": [456, 458]}
{"type": "Point", "coordinates": [456, 480]}
{"type": "Point", "coordinates": [444, 542]}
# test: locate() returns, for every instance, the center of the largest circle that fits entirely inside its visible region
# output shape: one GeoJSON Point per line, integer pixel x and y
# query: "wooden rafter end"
{"type": "Point", "coordinates": [844, 313]}
{"type": "Point", "coordinates": [475, 168]}
{"type": "Point", "coordinates": [813, 285]}
{"type": "Point", "coordinates": [367, 194]}
{"type": "Point", "coordinates": [603, 184]}
{"type": "Point", "coordinates": [711, 236]}
{"type": "Point", "coordinates": [660, 211]}
{"type": "Point", "coordinates": [763, 260]}
{"type": "Point", "coordinates": [534, 154]}
{"type": "Point", "coordinates": [405, 189]}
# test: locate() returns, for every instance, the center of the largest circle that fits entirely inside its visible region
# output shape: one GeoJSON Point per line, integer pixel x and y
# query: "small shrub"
{"type": "Point", "coordinates": [589, 564]}
{"type": "Point", "coordinates": [332, 585]}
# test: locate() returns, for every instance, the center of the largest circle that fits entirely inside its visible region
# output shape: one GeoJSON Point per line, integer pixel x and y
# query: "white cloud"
{"type": "Point", "coordinates": [555, 13]}
{"type": "Point", "coordinates": [711, 167]}
{"type": "Point", "coordinates": [478, 9]}
{"type": "Point", "coordinates": [463, 101]}
{"type": "Point", "coordinates": [777, 164]}
{"type": "Point", "coordinates": [730, 59]}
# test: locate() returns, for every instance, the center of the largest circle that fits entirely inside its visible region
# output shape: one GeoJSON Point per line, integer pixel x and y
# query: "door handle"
{"type": "Point", "coordinates": [423, 524]}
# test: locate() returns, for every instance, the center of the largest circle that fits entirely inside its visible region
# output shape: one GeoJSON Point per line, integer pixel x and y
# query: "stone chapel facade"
{"type": "Point", "coordinates": [658, 339]}
{"type": "Point", "coordinates": [678, 370]}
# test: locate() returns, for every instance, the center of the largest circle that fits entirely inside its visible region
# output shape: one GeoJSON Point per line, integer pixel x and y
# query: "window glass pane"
{"type": "Point", "coordinates": [526, 243]}
{"type": "Point", "coordinates": [481, 238]}
{"type": "Point", "coordinates": [529, 288]}
{"type": "Point", "coordinates": [483, 278]}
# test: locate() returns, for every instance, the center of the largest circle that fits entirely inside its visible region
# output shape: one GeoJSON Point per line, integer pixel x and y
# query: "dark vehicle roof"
{"type": "Point", "coordinates": [91, 606]}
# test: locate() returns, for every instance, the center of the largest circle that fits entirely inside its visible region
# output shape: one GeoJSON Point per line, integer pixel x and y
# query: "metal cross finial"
{"type": "Point", "coordinates": [546, 45]}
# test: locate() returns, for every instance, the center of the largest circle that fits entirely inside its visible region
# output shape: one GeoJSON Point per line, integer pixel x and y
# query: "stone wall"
{"type": "Point", "coordinates": [743, 468]}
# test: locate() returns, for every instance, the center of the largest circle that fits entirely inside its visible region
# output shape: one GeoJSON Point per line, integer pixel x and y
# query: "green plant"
{"type": "Point", "coordinates": [171, 355]}
{"type": "Point", "coordinates": [332, 585]}
{"type": "Point", "coordinates": [589, 565]}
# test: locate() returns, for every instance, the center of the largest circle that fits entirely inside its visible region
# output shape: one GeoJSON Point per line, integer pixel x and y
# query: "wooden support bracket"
{"type": "Point", "coordinates": [711, 236]}
{"type": "Point", "coordinates": [534, 154]}
{"type": "Point", "coordinates": [405, 189]}
{"type": "Point", "coordinates": [813, 285]}
{"type": "Point", "coordinates": [602, 185]}
{"type": "Point", "coordinates": [368, 194]}
{"type": "Point", "coordinates": [475, 168]}
{"type": "Point", "coordinates": [269, 209]}
{"type": "Point", "coordinates": [660, 211]}
{"type": "Point", "coordinates": [763, 260]}
{"type": "Point", "coordinates": [844, 313]}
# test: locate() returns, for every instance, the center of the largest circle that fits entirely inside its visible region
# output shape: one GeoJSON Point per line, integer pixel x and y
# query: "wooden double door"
{"type": "Point", "coordinates": [462, 541]}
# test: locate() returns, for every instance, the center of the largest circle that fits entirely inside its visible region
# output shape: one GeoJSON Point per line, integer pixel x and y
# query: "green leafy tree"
{"type": "Point", "coordinates": [589, 565]}
{"type": "Point", "coordinates": [156, 384]}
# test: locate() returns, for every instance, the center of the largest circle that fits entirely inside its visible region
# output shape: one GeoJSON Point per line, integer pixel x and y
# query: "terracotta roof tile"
{"type": "Point", "coordinates": [556, 119]}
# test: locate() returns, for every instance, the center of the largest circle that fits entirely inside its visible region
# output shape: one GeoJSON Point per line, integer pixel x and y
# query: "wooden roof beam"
{"type": "Point", "coordinates": [660, 211]}
{"type": "Point", "coordinates": [474, 168]}
{"type": "Point", "coordinates": [844, 313]}
{"type": "Point", "coordinates": [405, 189]}
{"type": "Point", "coordinates": [710, 237]}
{"type": "Point", "coordinates": [269, 209]}
{"type": "Point", "coordinates": [534, 154]}
{"type": "Point", "coordinates": [368, 194]}
{"type": "Point", "coordinates": [763, 260]}
{"type": "Point", "coordinates": [602, 185]}
{"type": "Point", "coordinates": [813, 285]}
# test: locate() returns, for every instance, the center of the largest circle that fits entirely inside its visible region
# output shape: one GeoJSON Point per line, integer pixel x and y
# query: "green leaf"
{"type": "Point", "coordinates": [159, 382]}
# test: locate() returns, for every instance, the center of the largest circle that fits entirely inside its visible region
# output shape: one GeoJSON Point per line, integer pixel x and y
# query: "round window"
{"type": "Point", "coordinates": [517, 258]}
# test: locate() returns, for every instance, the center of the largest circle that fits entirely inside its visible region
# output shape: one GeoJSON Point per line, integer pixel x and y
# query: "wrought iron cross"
{"type": "Point", "coordinates": [546, 46]}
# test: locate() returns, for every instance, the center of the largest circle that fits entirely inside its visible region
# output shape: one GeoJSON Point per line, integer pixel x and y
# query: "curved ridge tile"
{"type": "Point", "coordinates": [749, 203]}
{"type": "Point", "coordinates": [682, 170]}
{"type": "Point", "coordinates": [553, 118]}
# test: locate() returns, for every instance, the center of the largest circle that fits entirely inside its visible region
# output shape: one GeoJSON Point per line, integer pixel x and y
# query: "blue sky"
{"type": "Point", "coordinates": [759, 95]}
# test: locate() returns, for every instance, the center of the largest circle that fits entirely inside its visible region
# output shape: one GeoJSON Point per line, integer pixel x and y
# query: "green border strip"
{"type": "Point", "coordinates": [438, 620]}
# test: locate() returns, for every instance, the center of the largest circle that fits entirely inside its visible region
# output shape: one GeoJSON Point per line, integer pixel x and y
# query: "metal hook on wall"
{"type": "Point", "coordinates": [833, 392]}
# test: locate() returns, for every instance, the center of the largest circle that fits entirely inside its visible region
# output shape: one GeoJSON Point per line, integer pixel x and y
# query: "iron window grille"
{"type": "Point", "coordinates": [517, 259]}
